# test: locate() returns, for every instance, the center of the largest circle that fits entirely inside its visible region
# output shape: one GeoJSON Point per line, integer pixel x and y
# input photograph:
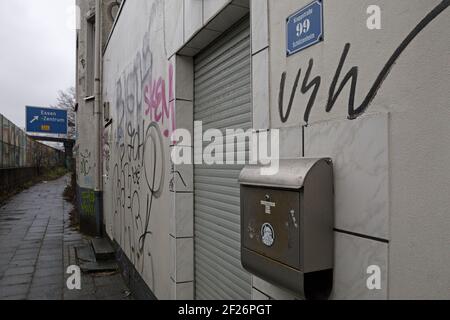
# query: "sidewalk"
{"type": "Point", "coordinates": [37, 245]}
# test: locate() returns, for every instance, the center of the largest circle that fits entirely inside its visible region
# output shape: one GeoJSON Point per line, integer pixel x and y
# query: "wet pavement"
{"type": "Point", "coordinates": [37, 245]}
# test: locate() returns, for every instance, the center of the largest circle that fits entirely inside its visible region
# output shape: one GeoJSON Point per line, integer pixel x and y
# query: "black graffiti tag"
{"type": "Point", "coordinates": [352, 76]}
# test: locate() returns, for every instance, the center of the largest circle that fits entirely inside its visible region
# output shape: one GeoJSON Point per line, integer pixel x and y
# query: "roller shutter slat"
{"type": "Point", "coordinates": [223, 100]}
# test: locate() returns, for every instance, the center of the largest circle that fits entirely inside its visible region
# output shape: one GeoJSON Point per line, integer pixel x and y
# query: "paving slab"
{"type": "Point", "coordinates": [103, 249]}
{"type": "Point", "coordinates": [37, 245]}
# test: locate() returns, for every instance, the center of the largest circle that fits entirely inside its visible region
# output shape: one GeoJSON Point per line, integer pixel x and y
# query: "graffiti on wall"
{"type": "Point", "coordinates": [134, 149]}
{"type": "Point", "coordinates": [176, 176]}
{"type": "Point", "coordinates": [88, 203]}
{"type": "Point", "coordinates": [85, 168]}
{"type": "Point", "coordinates": [159, 108]}
{"type": "Point", "coordinates": [106, 154]}
{"type": "Point", "coordinates": [313, 85]}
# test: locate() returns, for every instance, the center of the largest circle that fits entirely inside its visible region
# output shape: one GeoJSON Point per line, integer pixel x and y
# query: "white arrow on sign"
{"type": "Point", "coordinates": [36, 118]}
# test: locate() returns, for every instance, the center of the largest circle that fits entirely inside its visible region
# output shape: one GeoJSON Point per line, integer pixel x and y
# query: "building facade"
{"type": "Point", "coordinates": [89, 47]}
{"type": "Point", "coordinates": [374, 101]}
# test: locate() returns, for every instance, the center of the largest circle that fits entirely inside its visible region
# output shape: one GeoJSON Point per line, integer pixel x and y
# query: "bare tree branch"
{"type": "Point", "coordinates": [66, 100]}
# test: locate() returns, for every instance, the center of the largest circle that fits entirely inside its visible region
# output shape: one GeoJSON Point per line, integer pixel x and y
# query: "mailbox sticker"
{"type": "Point", "coordinates": [268, 235]}
{"type": "Point", "coordinates": [269, 206]}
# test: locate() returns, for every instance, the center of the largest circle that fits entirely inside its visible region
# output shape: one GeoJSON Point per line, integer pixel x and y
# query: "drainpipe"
{"type": "Point", "coordinates": [98, 117]}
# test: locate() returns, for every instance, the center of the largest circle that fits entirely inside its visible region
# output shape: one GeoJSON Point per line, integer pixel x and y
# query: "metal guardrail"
{"type": "Point", "coordinates": [17, 150]}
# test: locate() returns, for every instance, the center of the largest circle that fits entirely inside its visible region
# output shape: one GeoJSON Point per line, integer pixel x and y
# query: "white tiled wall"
{"type": "Point", "coordinates": [184, 114]}
{"type": "Point", "coordinates": [182, 222]}
{"type": "Point", "coordinates": [183, 178]}
{"type": "Point", "coordinates": [260, 25]}
{"type": "Point", "coordinates": [259, 296]}
{"type": "Point", "coordinates": [182, 264]}
{"type": "Point", "coordinates": [182, 187]}
{"type": "Point", "coordinates": [291, 142]}
{"type": "Point", "coordinates": [272, 291]}
{"type": "Point", "coordinates": [193, 17]}
{"type": "Point", "coordinates": [261, 107]}
{"type": "Point", "coordinates": [229, 16]}
{"type": "Point", "coordinates": [212, 7]}
{"type": "Point", "coordinates": [359, 149]}
{"type": "Point", "coordinates": [360, 153]}
{"type": "Point", "coordinates": [184, 78]}
{"type": "Point", "coordinates": [354, 255]}
{"type": "Point", "coordinates": [174, 26]}
{"type": "Point", "coordinates": [182, 291]}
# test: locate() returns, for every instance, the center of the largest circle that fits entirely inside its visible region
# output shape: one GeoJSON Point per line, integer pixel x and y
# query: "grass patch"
{"type": "Point", "coordinates": [54, 174]}
{"type": "Point", "coordinates": [70, 195]}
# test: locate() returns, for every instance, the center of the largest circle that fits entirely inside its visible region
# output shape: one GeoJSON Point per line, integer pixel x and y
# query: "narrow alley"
{"type": "Point", "coordinates": [37, 245]}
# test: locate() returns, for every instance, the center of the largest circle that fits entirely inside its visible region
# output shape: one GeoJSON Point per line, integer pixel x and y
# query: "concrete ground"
{"type": "Point", "coordinates": [37, 246]}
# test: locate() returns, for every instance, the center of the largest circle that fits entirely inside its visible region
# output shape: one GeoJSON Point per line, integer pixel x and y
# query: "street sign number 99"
{"type": "Point", "coordinates": [303, 27]}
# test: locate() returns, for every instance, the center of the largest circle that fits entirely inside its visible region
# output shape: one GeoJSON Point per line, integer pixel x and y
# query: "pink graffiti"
{"type": "Point", "coordinates": [159, 108]}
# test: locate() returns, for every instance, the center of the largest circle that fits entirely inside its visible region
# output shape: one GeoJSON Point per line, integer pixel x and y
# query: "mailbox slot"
{"type": "Point", "coordinates": [287, 225]}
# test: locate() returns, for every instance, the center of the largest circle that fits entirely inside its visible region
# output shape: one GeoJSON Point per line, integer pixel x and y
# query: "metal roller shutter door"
{"type": "Point", "coordinates": [222, 101]}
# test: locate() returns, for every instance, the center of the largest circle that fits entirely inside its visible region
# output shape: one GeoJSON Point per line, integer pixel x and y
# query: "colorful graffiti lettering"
{"type": "Point", "coordinates": [159, 108]}
{"type": "Point", "coordinates": [88, 203]}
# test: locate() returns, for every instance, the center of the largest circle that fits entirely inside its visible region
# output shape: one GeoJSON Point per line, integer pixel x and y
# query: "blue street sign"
{"type": "Point", "coordinates": [44, 120]}
{"type": "Point", "coordinates": [305, 28]}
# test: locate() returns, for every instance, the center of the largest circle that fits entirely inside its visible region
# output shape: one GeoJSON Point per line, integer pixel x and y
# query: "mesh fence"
{"type": "Point", "coordinates": [17, 150]}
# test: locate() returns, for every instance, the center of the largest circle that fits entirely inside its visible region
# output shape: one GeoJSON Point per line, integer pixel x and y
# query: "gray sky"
{"type": "Point", "coordinates": [37, 54]}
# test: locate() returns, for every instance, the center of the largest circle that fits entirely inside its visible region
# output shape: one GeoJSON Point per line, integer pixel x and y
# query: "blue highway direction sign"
{"type": "Point", "coordinates": [45, 120]}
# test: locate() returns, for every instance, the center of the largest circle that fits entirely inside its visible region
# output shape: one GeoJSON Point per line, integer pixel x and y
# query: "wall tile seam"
{"type": "Point", "coordinates": [181, 282]}
{"type": "Point", "coordinates": [181, 192]}
{"type": "Point", "coordinates": [203, 15]}
{"type": "Point", "coordinates": [185, 42]}
{"type": "Point", "coordinates": [173, 52]}
{"type": "Point", "coordinates": [258, 131]}
{"type": "Point", "coordinates": [191, 258]}
{"type": "Point", "coordinates": [182, 55]}
{"type": "Point", "coordinates": [172, 146]}
{"type": "Point", "coordinates": [184, 21]}
{"type": "Point", "coordinates": [268, 24]}
{"type": "Point", "coordinates": [297, 126]}
{"type": "Point", "coordinates": [215, 14]}
{"type": "Point", "coordinates": [303, 141]}
{"type": "Point", "coordinates": [263, 293]}
{"type": "Point", "coordinates": [181, 100]}
{"type": "Point", "coordinates": [268, 71]}
{"type": "Point", "coordinates": [267, 32]}
{"type": "Point", "coordinates": [367, 115]}
{"type": "Point", "coordinates": [239, 5]}
{"type": "Point", "coordinates": [180, 238]}
{"type": "Point", "coordinates": [341, 118]}
{"type": "Point", "coordinates": [292, 296]}
{"type": "Point", "coordinates": [361, 236]}
{"type": "Point", "coordinates": [260, 50]}
{"type": "Point", "coordinates": [390, 186]}
{"type": "Point", "coordinates": [387, 271]}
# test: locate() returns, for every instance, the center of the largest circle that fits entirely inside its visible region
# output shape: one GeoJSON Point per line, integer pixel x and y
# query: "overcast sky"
{"type": "Point", "coordinates": [37, 54]}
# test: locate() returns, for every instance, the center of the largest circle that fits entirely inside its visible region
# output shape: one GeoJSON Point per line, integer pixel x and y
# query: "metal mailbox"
{"type": "Point", "coordinates": [287, 222]}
